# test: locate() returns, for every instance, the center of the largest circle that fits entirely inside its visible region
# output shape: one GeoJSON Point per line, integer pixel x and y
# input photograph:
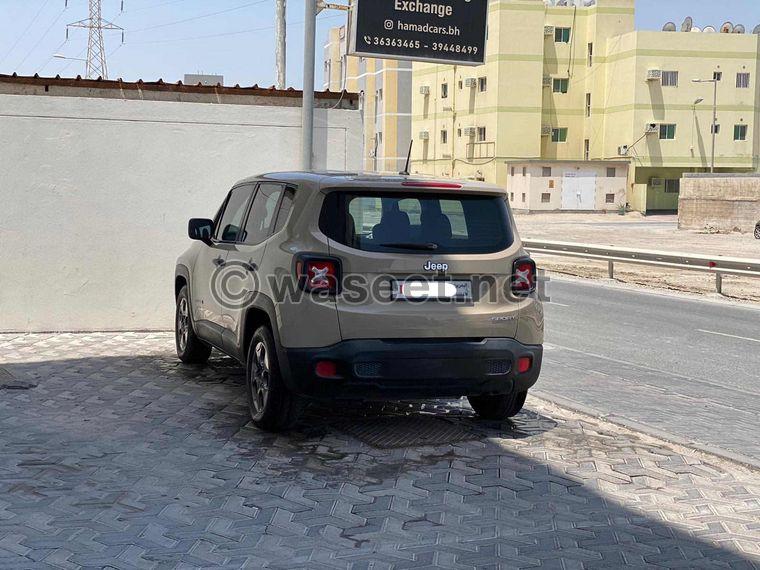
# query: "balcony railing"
{"type": "Point", "coordinates": [478, 150]}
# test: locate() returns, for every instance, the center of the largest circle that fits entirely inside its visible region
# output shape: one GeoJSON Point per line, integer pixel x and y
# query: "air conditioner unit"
{"type": "Point", "coordinates": [424, 135]}
{"type": "Point", "coordinates": [546, 130]}
{"type": "Point", "coordinates": [425, 90]}
{"type": "Point", "coordinates": [548, 30]}
{"type": "Point", "coordinates": [448, 109]}
{"type": "Point", "coordinates": [470, 131]}
{"type": "Point", "coordinates": [656, 182]}
{"type": "Point", "coordinates": [547, 81]}
{"type": "Point", "coordinates": [470, 82]}
{"type": "Point", "coordinates": [623, 150]}
{"type": "Point", "coordinates": [651, 128]}
{"type": "Point", "coordinates": [654, 75]}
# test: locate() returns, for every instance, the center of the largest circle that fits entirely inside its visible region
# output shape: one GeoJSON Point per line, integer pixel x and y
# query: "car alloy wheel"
{"type": "Point", "coordinates": [260, 378]}
{"type": "Point", "coordinates": [757, 231]}
{"type": "Point", "coordinates": [183, 324]}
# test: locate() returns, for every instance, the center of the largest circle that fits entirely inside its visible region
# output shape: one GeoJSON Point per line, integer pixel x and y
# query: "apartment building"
{"type": "Point", "coordinates": [563, 84]}
{"type": "Point", "coordinates": [385, 90]}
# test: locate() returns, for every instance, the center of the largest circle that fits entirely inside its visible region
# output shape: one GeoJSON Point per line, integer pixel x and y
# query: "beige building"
{"type": "Point", "coordinates": [385, 89]}
{"type": "Point", "coordinates": [578, 83]}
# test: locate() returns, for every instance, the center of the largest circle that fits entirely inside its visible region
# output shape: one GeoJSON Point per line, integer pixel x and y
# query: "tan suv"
{"type": "Point", "coordinates": [363, 287]}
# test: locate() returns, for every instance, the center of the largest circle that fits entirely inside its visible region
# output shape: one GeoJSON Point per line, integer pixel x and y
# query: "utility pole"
{"type": "Point", "coordinates": [96, 50]}
{"type": "Point", "coordinates": [309, 57]}
{"type": "Point", "coordinates": [281, 43]}
{"type": "Point", "coordinates": [714, 129]}
{"type": "Point", "coordinates": [311, 9]}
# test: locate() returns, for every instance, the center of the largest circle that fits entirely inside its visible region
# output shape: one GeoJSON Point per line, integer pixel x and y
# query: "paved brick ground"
{"type": "Point", "coordinates": [112, 455]}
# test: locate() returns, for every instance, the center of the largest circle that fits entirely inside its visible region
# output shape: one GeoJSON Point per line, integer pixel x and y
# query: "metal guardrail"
{"type": "Point", "coordinates": [717, 264]}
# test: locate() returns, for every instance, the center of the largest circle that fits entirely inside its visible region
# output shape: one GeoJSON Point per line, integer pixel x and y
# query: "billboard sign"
{"type": "Point", "coordinates": [438, 31]}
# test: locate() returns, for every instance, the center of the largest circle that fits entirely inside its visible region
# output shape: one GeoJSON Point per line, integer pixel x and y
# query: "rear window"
{"type": "Point", "coordinates": [417, 222]}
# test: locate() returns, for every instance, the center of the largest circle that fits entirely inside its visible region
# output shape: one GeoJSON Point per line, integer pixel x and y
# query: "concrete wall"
{"type": "Point", "coordinates": [726, 203]}
{"type": "Point", "coordinates": [526, 191]}
{"type": "Point", "coordinates": [95, 196]}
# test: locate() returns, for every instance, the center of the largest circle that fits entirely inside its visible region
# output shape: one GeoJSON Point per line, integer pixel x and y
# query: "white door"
{"type": "Point", "coordinates": [579, 190]}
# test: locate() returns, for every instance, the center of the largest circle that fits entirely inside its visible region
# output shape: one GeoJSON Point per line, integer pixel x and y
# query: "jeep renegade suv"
{"type": "Point", "coordinates": [363, 287]}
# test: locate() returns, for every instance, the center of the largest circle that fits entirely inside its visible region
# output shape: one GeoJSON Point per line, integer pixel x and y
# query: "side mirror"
{"type": "Point", "coordinates": [200, 229]}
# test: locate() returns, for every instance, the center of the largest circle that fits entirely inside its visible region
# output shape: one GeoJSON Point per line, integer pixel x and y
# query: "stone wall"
{"type": "Point", "coordinates": [721, 201]}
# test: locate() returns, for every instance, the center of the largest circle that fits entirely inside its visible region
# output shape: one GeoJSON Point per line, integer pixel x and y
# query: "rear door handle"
{"type": "Point", "coordinates": [219, 262]}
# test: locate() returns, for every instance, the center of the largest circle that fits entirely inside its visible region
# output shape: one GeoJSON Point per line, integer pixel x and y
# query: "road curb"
{"type": "Point", "coordinates": [737, 458]}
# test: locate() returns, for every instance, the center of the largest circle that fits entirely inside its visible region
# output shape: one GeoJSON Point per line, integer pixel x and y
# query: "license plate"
{"type": "Point", "coordinates": [415, 290]}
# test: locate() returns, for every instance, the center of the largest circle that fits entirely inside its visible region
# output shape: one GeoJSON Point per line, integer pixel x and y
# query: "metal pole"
{"type": "Point", "coordinates": [280, 43]}
{"type": "Point", "coordinates": [309, 56]}
{"type": "Point", "coordinates": [715, 122]}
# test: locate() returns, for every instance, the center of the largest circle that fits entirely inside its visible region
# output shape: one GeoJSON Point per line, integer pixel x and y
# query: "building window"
{"type": "Point", "coordinates": [546, 172]}
{"type": "Point", "coordinates": [670, 79]}
{"type": "Point", "coordinates": [667, 132]}
{"type": "Point", "coordinates": [512, 172]}
{"type": "Point", "coordinates": [525, 171]}
{"type": "Point", "coordinates": [461, 84]}
{"type": "Point", "coordinates": [611, 172]}
{"type": "Point", "coordinates": [482, 84]}
{"type": "Point", "coordinates": [444, 137]}
{"type": "Point", "coordinates": [551, 184]}
{"type": "Point", "coordinates": [559, 135]}
{"type": "Point", "coordinates": [742, 80]}
{"type": "Point", "coordinates": [609, 198]}
{"type": "Point", "coordinates": [481, 134]}
{"type": "Point", "coordinates": [444, 90]}
{"type": "Point", "coordinates": [715, 129]}
{"type": "Point", "coordinates": [590, 54]}
{"type": "Point", "coordinates": [512, 195]}
{"type": "Point", "coordinates": [546, 198]}
{"type": "Point", "coordinates": [718, 75]}
{"type": "Point", "coordinates": [561, 85]}
{"type": "Point", "coordinates": [672, 186]}
{"type": "Point", "coordinates": [588, 104]}
{"type": "Point", "coordinates": [740, 132]}
{"type": "Point", "coordinates": [459, 133]}
{"type": "Point", "coordinates": [562, 35]}
{"type": "Point", "coordinates": [586, 149]}
{"type": "Point", "coordinates": [523, 197]}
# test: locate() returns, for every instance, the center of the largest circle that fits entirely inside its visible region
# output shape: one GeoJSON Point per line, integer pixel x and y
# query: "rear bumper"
{"type": "Point", "coordinates": [411, 369]}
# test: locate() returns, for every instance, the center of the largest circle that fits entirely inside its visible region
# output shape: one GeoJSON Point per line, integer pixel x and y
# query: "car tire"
{"type": "Point", "coordinates": [272, 406]}
{"type": "Point", "coordinates": [757, 231]}
{"type": "Point", "coordinates": [190, 349]}
{"type": "Point", "coordinates": [499, 407]}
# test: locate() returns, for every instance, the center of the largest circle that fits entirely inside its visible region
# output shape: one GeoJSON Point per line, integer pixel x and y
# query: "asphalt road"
{"type": "Point", "coordinates": [679, 366]}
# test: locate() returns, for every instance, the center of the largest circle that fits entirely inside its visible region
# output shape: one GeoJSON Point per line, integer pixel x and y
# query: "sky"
{"type": "Point", "coordinates": [235, 38]}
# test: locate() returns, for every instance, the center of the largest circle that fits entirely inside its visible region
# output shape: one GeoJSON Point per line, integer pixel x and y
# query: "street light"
{"type": "Point", "coordinates": [714, 81]}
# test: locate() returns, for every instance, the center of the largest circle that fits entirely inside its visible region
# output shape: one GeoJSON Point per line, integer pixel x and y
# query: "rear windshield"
{"type": "Point", "coordinates": [417, 222]}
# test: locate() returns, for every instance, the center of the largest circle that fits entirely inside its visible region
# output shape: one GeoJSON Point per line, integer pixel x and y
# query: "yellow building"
{"type": "Point", "coordinates": [577, 83]}
{"type": "Point", "coordinates": [385, 88]}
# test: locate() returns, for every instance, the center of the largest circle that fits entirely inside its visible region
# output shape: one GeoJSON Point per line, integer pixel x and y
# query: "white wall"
{"type": "Point", "coordinates": [95, 195]}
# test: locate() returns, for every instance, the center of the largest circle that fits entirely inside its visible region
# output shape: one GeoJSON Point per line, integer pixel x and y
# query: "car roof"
{"type": "Point", "coordinates": [318, 180]}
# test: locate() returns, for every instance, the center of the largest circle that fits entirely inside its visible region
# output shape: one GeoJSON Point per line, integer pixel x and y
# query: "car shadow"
{"type": "Point", "coordinates": [159, 457]}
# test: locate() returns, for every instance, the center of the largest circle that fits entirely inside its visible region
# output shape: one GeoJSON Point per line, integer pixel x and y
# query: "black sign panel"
{"type": "Point", "coordinates": [439, 31]}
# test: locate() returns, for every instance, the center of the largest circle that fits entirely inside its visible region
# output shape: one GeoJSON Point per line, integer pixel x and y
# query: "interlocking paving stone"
{"type": "Point", "coordinates": [121, 457]}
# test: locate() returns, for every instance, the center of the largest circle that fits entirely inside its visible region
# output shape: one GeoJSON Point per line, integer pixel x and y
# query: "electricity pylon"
{"type": "Point", "coordinates": [96, 50]}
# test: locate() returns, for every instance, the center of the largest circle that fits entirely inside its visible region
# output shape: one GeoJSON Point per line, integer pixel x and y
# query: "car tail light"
{"type": "Point", "coordinates": [524, 363]}
{"type": "Point", "coordinates": [318, 274]}
{"type": "Point", "coordinates": [431, 184]}
{"type": "Point", "coordinates": [523, 277]}
{"type": "Point", "coordinates": [326, 369]}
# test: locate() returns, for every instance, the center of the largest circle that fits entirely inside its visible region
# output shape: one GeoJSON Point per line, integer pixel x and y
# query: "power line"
{"type": "Point", "coordinates": [47, 31]}
{"type": "Point", "coordinates": [199, 17]}
{"type": "Point", "coordinates": [225, 34]}
{"type": "Point", "coordinates": [34, 19]}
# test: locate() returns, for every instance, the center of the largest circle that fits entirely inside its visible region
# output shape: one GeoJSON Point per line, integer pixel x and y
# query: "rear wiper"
{"type": "Point", "coordinates": [405, 245]}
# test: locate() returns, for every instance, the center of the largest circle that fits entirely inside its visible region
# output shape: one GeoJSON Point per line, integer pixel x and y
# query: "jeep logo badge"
{"type": "Point", "coordinates": [430, 266]}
